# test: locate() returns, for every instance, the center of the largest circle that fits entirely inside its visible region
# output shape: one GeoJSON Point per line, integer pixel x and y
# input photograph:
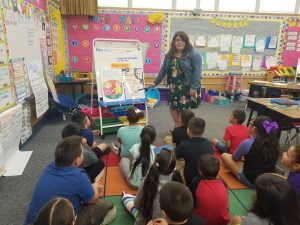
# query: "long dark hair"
{"type": "Point", "coordinates": [276, 200]}
{"type": "Point", "coordinates": [267, 142]}
{"type": "Point", "coordinates": [164, 164]}
{"type": "Point", "coordinates": [188, 47]}
{"type": "Point", "coordinates": [147, 136]}
{"type": "Point", "coordinates": [57, 211]}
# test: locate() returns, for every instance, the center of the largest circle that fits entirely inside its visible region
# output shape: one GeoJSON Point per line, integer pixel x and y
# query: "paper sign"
{"type": "Point", "coordinates": [249, 41]}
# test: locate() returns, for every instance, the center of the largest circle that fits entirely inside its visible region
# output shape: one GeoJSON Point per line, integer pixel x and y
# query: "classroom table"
{"type": "Point", "coordinates": [273, 89]}
{"type": "Point", "coordinates": [73, 84]}
{"type": "Point", "coordinates": [283, 116]}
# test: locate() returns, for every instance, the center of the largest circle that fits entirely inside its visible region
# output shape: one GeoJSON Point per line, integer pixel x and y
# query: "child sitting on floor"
{"type": "Point", "coordinates": [147, 199]}
{"type": "Point", "coordinates": [234, 133]}
{"type": "Point", "coordinates": [275, 203]}
{"type": "Point", "coordinates": [127, 137]}
{"type": "Point", "coordinates": [92, 163]}
{"type": "Point", "coordinates": [57, 211]}
{"type": "Point", "coordinates": [291, 159]}
{"type": "Point", "coordinates": [84, 122]}
{"type": "Point", "coordinates": [209, 192]}
{"type": "Point", "coordinates": [256, 155]}
{"type": "Point", "coordinates": [143, 156]}
{"type": "Point", "coordinates": [179, 134]}
{"type": "Point", "coordinates": [176, 203]}
{"type": "Point", "coordinates": [190, 150]}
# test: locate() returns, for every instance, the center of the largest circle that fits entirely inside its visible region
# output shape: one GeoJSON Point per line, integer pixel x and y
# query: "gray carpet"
{"type": "Point", "coordinates": [15, 192]}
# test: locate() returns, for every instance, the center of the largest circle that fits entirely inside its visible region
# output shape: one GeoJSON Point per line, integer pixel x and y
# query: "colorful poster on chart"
{"type": "Point", "coordinates": [271, 42]}
{"type": "Point", "coordinates": [257, 62]}
{"type": "Point", "coordinates": [223, 61]}
{"type": "Point", "coordinates": [134, 83]}
{"type": "Point", "coordinates": [200, 41]}
{"type": "Point", "coordinates": [82, 30]}
{"type": "Point", "coordinates": [225, 42]}
{"type": "Point", "coordinates": [39, 87]}
{"type": "Point", "coordinates": [112, 85]}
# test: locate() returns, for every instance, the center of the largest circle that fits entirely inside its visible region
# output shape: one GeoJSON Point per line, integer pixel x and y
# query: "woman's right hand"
{"type": "Point", "coordinates": [152, 85]}
{"type": "Point", "coordinates": [235, 220]}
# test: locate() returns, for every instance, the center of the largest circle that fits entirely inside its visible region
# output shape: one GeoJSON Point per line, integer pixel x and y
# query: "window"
{"type": "Point", "coordinates": [186, 4]}
{"type": "Point", "coordinates": [207, 5]}
{"type": "Point", "coordinates": [153, 4]}
{"type": "Point", "coordinates": [113, 3]}
{"type": "Point", "coordinates": [286, 6]}
{"type": "Point", "coordinates": [237, 5]}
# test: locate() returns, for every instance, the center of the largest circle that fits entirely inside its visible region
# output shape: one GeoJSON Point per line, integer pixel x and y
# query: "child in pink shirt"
{"type": "Point", "coordinates": [234, 133]}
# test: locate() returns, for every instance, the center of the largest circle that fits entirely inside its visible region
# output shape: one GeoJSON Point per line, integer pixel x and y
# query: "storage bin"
{"type": "Point", "coordinates": [108, 121]}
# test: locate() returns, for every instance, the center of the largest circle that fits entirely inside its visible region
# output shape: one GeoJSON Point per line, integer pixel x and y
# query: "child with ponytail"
{"type": "Point", "coordinates": [127, 137]}
{"type": "Point", "coordinates": [143, 156]}
{"type": "Point", "coordinates": [147, 199]}
{"type": "Point", "coordinates": [256, 155]}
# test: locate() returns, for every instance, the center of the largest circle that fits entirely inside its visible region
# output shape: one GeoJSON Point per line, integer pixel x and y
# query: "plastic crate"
{"type": "Point", "coordinates": [222, 101]}
{"type": "Point", "coordinates": [108, 121]}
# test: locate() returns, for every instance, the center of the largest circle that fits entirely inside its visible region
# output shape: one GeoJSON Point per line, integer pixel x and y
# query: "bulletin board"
{"type": "Point", "coordinates": [213, 25]}
{"type": "Point", "coordinates": [82, 30]}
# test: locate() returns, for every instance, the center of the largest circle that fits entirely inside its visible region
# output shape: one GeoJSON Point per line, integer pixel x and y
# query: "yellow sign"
{"type": "Point", "coordinates": [120, 65]}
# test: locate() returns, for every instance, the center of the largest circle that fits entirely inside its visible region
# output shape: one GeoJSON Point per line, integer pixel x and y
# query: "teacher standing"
{"type": "Point", "coordinates": [183, 67]}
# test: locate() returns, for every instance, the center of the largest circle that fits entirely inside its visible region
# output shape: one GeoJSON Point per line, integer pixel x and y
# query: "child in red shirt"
{"type": "Point", "coordinates": [234, 133]}
{"type": "Point", "coordinates": [209, 192]}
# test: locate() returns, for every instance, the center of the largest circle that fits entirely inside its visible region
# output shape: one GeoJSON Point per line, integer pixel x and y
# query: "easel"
{"type": "Point", "coordinates": [103, 60]}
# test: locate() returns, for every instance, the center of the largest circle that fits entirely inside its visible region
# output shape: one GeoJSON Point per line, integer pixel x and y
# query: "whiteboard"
{"type": "Point", "coordinates": [24, 33]}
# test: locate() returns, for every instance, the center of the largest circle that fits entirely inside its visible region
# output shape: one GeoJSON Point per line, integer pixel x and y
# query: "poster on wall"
{"type": "Point", "coordinates": [7, 99]}
{"type": "Point", "coordinates": [291, 50]}
{"type": "Point", "coordinates": [39, 87]}
{"type": "Point", "coordinates": [20, 80]}
{"type": "Point", "coordinates": [12, 160]}
{"type": "Point", "coordinates": [4, 76]}
{"type": "Point", "coordinates": [82, 30]}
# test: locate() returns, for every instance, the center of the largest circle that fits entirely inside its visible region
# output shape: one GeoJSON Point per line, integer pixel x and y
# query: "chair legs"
{"type": "Point", "coordinates": [290, 138]}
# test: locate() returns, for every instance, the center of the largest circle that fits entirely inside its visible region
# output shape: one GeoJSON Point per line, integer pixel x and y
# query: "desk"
{"type": "Point", "coordinates": [283, 117]}
{"type": "Point", "coordinates": [272, 89]}
{"type": "Point", "coordinates": [73, 84]}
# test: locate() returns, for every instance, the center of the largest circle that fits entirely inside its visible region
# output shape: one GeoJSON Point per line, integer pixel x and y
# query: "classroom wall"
{"type": "Point", "coordinates": [282, 31]}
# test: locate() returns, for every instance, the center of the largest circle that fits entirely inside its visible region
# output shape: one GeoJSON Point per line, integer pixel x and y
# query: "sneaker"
{"type": "Point", "coordinates": [115, 149]}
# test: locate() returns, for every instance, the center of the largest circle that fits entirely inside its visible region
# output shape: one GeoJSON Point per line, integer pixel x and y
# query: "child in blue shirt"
{"type": "Point", "coordinates": [84, 122]}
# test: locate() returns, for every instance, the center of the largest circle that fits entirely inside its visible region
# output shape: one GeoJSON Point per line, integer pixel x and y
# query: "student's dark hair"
{"type": "Point", "coordinates": [80, 118]}
{"type": "Point", "coordinates": [267, 142]}
{"type": "Point", "coordinates": [70, 129]}
{"type": "Point", "coordinates": [297, 154]}
{"type": "Point", "coordinates": [134, 114]}
{"type": "Point", "coordinates": [58, 211]}
{"type": "Point", "coordinates": [239, 115]}
{"type": "Point", "coordinates": [176, 200]}
{"type": "Point", "coordinates": [185, 116]}
{"type": "Point", "coordinates": [196, 125]}
{"type": "Point", "coordinates": [188, 47]}
{"type": "Point", "coordinates": [67, 150]}
{"type": "Point", "coordinates": [147, 136]}
{"type": "Point", "coordinates": [164, 164]}
{"type": "Point", "coordinates": [276, 200]}
{"type": "Point", "coordinates": [209, 166]}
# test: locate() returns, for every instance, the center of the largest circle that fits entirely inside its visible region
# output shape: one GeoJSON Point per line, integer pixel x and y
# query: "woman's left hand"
{"type": "Point", "coordinates": [193, 93]}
